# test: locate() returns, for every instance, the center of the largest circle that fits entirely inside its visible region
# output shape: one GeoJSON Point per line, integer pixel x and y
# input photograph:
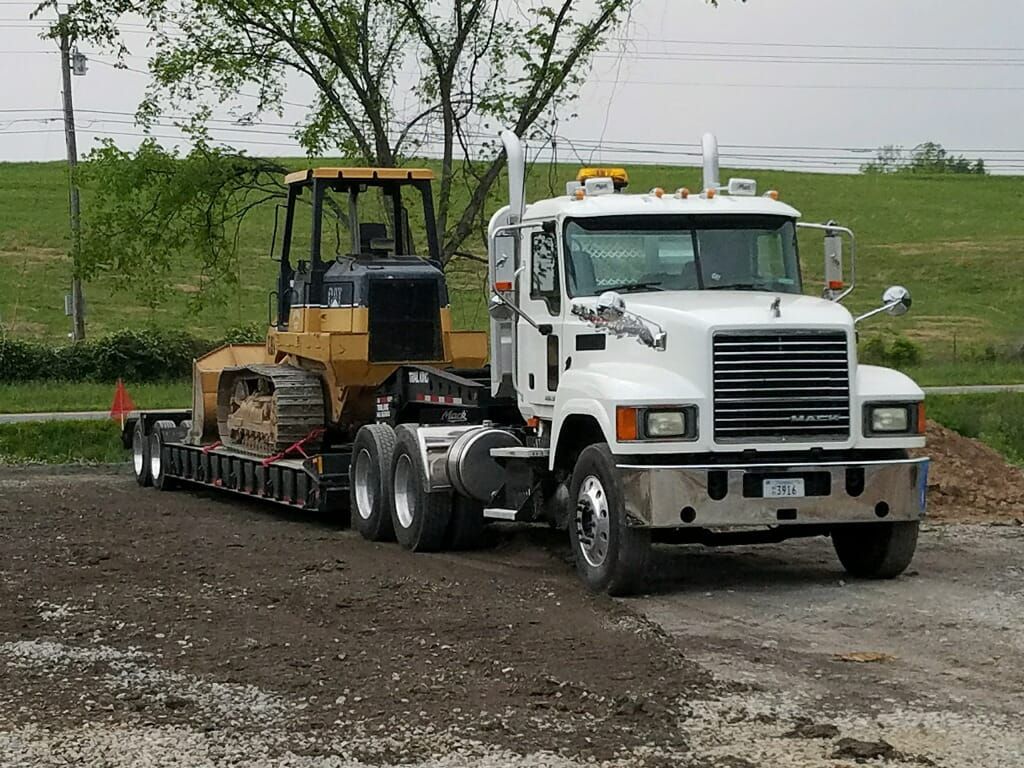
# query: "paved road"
{"type": "Point", "coordinates": [18, 418]}
{"type": "Point", "coordinates": [15, 418]}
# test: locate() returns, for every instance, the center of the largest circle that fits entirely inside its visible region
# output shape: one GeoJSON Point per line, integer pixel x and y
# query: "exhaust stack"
{"type": "Point", "coordinates": [516, 175]}
{"type": "Point", "coordinates": [709, 149]}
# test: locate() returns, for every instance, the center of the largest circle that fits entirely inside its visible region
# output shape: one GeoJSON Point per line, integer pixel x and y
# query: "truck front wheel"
{"type": "Point", "coordinates": [875, 550]}
{"type": "Point", "coordinates": [611, 556]}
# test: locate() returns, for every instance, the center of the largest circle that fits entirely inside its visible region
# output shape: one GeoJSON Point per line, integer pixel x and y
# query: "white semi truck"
{"type": "Point", "coordinates": [675, 382]}
{"type": "Point", "coordinates": [658, 373]}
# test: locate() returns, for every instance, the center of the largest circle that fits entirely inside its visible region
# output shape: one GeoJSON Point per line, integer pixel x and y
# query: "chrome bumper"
{"type": "Point", "coordinates": [680, 496]}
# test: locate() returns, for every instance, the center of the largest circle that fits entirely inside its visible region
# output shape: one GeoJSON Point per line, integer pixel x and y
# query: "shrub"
{"type": "Point", "coordinates": [901, 352]}
{"type": "Point", "coordinates": [139, 355]}
{"type": "Point", "coordinates": [246, 333]}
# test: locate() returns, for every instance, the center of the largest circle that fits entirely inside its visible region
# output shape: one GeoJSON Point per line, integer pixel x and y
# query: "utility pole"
{"type": "Point", "coordinates": [77, 298]}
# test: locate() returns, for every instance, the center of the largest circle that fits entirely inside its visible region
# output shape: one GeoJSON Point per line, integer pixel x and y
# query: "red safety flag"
{"type": "Point", "coordinates": [122, 404]}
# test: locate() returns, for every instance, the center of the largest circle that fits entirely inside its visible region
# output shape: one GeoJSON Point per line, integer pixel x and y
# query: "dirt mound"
{"type": "Point", "coordinates": [971, 482]}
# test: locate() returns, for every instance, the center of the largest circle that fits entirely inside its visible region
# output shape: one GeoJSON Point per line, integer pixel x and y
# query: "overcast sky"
{"type": "Point", "coordinates": [770, 76]}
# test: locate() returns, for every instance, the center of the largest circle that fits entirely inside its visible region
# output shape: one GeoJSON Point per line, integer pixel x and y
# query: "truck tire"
{"type": "Point", "coordinates": [156, 458]}
{"type": "Point", "coordinates": [875, 550]}
{"type": "Point", "coordinates": [466, 528]}
{"type": "Point", "coordinates": [610, 555]}
{"type": "Point", "coordinates": [420, 518]}
{"type": "Point", "coordinates": [369, 482]}
{"type": "Point", "coordinates": [140, 454]}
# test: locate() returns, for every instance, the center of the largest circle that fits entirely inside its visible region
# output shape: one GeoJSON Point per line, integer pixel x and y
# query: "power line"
{"type": "Point", "coordinates": [832, 46]}
{"type": "Point", "coordinates": [794, 59]}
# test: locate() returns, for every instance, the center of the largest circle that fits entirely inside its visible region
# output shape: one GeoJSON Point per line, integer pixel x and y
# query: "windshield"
{"type": "Point", "coordinates": [681, 253]}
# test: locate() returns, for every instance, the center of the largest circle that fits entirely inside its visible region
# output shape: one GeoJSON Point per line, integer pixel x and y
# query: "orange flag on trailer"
{"type": "Point", "coordinates": [122, 404]}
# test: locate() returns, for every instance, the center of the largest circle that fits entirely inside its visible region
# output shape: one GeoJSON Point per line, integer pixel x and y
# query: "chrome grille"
{"type": "Point", "coordinates": [781, 386]}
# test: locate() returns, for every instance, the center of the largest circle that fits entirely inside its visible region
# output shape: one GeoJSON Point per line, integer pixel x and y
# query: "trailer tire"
{"type": "Point", "coordinates": [370, 482]}
{"type": "Point", "coordinates": [876, 550]}
{"type": "Point", "coordinates": [611, 556]}
{"type": "Point", "coordinates": [157, 467]}
{"type": "Point", "coordinates": [466, 528]}
{"type": "Point", "coordinates": [420, 518]}
{"type": "Point", "coordinates": [140, 453]}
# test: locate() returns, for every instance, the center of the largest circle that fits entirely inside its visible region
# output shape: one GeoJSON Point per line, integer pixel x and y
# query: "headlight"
{"type": "Point", "coordinates": [894, 419]}
{"type": "Point", "coordinates": [659, 422]}
{"type": "Point", "coordinates": [890, 419]}
{"type": "Point", "coordinates": [665, 424]}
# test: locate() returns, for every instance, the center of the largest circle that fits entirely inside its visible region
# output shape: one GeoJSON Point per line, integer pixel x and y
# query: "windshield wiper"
{"type": "Point", "coordinates": [739, 287]}
{"type": "Point", "coordinates": [656, 284]}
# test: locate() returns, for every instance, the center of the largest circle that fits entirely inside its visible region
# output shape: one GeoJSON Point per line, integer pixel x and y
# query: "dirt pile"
{"type": "Point", "coordinates": [971, 482]}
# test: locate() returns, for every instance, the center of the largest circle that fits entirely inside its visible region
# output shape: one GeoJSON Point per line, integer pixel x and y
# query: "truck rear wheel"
{"type": "Point", "coordinates": [157, 468]}
{"type": "Point", "coordinates": [875, 550]}
{"type": "Point", "coordinates": [140, 454]}
{"type": "Point", "coordinates": [610, 555]}
{"type": "Point", "coordinates": [369, 485]}
{"type": "Point", "coordinates": [420, 518]}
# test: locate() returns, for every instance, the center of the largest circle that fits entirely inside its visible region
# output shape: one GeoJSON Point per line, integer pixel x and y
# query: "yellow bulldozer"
{"type": "Point", "coordinates": [344, 322]}
{"type": "Point", "coordinates": [357, 301]}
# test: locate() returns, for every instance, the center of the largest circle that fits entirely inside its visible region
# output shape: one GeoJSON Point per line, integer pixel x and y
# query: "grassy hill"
{"type": "Point", "coordinates": [955, 241]}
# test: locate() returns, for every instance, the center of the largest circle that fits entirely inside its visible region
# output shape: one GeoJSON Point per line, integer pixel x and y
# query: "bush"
{"type": "Point", "coordinates": [900, 352]}
{"type": "Point", "coordinates": [246, 333]}
{"type": "Point", "coordinates": [138, 355]}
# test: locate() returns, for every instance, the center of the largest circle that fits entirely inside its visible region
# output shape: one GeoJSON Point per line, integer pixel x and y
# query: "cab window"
{"type": "Point", "coordinates": [544, 285]}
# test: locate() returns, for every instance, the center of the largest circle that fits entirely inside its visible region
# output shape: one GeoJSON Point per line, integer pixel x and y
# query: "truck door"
{"type": "Point", "coordinates": [540, 292]}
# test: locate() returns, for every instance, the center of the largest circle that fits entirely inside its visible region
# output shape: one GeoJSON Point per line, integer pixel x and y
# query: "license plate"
{"type": "Point", "coordinates": [784, 489]}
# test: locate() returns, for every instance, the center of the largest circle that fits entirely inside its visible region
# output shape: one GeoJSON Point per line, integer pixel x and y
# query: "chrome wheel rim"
{"type": "Point", "coordinates": [154, 460]}
{"type": "Point", "coordinates": [592, 521]}
{"type": "Point", "coordinates": [366, 489]}
{"type": "Point", "coordinates": [405, 502]}
{"type": "Point", "coordinates": [138, 455]}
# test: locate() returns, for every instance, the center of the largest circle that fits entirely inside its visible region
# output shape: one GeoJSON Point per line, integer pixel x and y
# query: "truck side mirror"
{"type": "Point", "coordinates": [833, 262]}
{"type": "Point", "coordinates": [897, 300]}
{"type": "Point", "coordinates": [499, 310]}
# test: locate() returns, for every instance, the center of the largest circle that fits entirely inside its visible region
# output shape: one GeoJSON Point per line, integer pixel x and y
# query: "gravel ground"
{"type": "Point", "coordinates": [139, 628]}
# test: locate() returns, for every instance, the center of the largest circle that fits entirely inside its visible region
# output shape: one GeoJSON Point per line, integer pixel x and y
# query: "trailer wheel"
{"type": "Point", "coordinates": [369, 485]}
{"type": "Point", "coordinates": [876, 550]}
{"type": "Point", "coordinates": [466, 528]}
{"type": "Point", "coordinates": [611, 556]}
{"type": "Point", "coordinates": [157, 469]}
{"type": "Point", "coordinates": [420, 518]}
{"type": "Point", "coordinates": [140, 454]}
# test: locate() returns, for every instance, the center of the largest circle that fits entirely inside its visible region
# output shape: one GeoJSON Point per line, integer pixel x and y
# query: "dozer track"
{"type": "Point", "coordinates": [264, 409]}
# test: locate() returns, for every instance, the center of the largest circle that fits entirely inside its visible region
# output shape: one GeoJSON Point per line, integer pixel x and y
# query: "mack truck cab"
{"type": "Point", "coordinates": [672, 379]}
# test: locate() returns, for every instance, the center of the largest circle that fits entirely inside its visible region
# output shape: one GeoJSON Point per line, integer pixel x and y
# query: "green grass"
{"type": "Point", "coordinates": [967, 373]}
{"type": "Point", "coordinates": [61, 442]}
{"type": "Point", "coordinates": [41, 396]}
{"type": "Point", "coordinates": [996, 419]}
{"type": "Point", "coordinates": [955, 241]}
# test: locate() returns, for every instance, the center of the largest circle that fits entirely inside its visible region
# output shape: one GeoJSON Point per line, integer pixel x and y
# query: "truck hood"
{"type": "Point", "coordinates": [707, 310]}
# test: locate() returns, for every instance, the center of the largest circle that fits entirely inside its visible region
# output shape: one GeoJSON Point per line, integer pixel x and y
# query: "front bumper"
{"type": "Point", "coordinates": [728, 496]}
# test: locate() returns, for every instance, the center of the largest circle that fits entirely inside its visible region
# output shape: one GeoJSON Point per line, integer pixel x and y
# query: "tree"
{"type": "Point", "coordinates": [928, 157]}
{"type": "Point", "coordinates": [480, 64]}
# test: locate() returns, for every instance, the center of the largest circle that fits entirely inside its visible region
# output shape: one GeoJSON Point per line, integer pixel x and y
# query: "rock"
{"type": "Point", "coordinates": [805, 729]}
{"type": "Point", "coordinates": [855, 749]}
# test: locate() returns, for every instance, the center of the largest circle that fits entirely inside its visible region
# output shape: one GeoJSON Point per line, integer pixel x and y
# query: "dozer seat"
{"type": "Point", "coordinates": [374, 240]}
